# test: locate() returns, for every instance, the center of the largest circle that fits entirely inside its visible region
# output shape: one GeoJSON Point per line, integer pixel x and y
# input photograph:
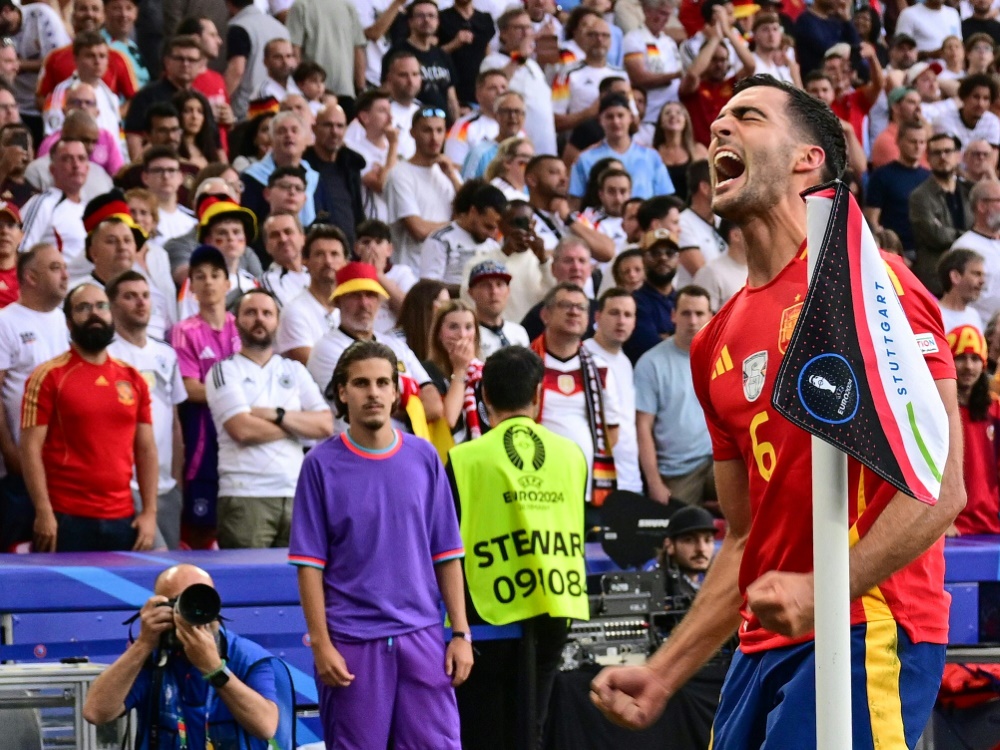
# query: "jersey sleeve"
{"type": "Point", "coordinates": [294, 331]}
{"type": "Point", "coordinates": [446, 540]}
{"type": "Point", "coordinates": [224, 394]}
{"type": "Point", "coordinates": [578, 179]}
{"type": "Point", "coordinates": [560, 94]}
{"type": "Point", "coordinates": [126, 82]}
{"type": "Point", "coordinates": [924, 314]}
{"type": "Point", "coordinates": [433, 258]}
{"type": "Point", "coordinates": [308, 543]}
{"type": "Point", "coordinates": [38, 400]}
{"type": "Point", "coordinates": [9, 346]}
{"type": "Point", "coordinates": [724, 447]}
{"type": "Point", "coordinates": [401, 197]}
{"type": "Point", "coordinates": [144, 413]}
{"type": "Point", "coordinates": [646, 390]}
{"type": "Point", "coordinates": [662, 184]}
{"type": "Point", "coordinates": [178, 391]}
{"type": "Point", "coordinates": [237, 43]}
{"type": "Point", "coordinates": [37, 217]}
{"type": "Point", "coordinates": [633, 47]}
{"type": "Point", "coordinates": [309, 393]}
{"type": "Point", "coordinates": [187, 357]}
{"type": "Point", "coordinates": [612, 404]}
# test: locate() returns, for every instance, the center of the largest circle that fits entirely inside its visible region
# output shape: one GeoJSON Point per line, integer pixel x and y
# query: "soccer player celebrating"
{"type": "Point", "coordinates": [769, 144]}
{"type": "Point", "coordinates": [368, 498]}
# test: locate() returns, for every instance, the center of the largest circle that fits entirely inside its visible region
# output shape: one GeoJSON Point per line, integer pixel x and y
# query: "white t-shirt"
{"type": "Point", "coordinates": [326, 353]}
{"type": "Point", "coordinates": [385, 318]}
{"type": "Point", "coordinates": [402, 120]}
{"type": "Point", "coordinates": [626, 450]}
{"type": "Point", "coordinates": [108, 117]}
{"type": "Point", "coordinates": [303, 321]}
{"type": "Point", "coordinates": [929, 27]}
{"type": "Point", "coordinates": [721, 277]}
{"type": "Point", "coordinates": [374, 203]}
{"type": "Point", "coordinates": [468, 131]}
{"type": "Point", "coordinates": [234, 386]}
{"type": "Point", "coordinates": [50, 212]}
{"type": "Point", "coordinates": [530, 82]}
{"type": "Point", "coordinates": [576, 88]}
{"type": "Point", "coordinates": [989, 299]}
{"type": "Point", "coordinates": [27, 339]}
{"type": "Point", "coordinates": [284, 284]}
{"type": "Point", "coordinates": [661, 56]}
{"type": "Point", "coordinates": [766, 67]}
{"type": "Point", "coordinates": [446, 252]}
{"type": "Point", "coordinates": [489, 341]}
{"type": "Point", "coordinates": [987, 129]}
{"type": "Point", "coordinates": [368, 13]}
{"type": "Point", "coordinates": [696, 232]}
{"type": "Point", "coordinates": [157, 362]}
{"type": "Point", "coordinates": [271, 87]}
{"type": "Point", "coordinates": [564, 409]}
{"type": "Point", "coordinates": [416, 191]}
{"type": "Point", "coordinates": [953, 319]}
{"type": "Point", "coordinates": [175, 223]}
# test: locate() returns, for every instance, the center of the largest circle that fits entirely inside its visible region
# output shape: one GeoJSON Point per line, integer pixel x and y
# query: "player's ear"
{"type": "Point", "coordinates": [809, 159]}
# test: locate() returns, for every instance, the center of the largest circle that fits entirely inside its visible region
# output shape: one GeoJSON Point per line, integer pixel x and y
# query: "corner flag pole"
{"type": "Point", "coordinates": [831, 549]}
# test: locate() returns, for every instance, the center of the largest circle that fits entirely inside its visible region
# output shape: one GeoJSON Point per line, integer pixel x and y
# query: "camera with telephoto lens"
{"type": "Point", "coordinates": [198, 604]}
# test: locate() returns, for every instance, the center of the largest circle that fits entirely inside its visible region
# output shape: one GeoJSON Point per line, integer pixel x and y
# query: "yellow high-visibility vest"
{"type": "Point", "coordinates": [521, 491]}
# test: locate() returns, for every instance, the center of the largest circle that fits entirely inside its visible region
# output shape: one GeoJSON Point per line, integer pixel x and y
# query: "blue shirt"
{"type": "Point", "coordinates": [262, 169]}
{"type": "Point", "coordinates": [478, 158]}
{"type": "Point", "coordinates": [652, 318]}
{"type": "Point", "coordinates": [665, 389]}
{"type": "Point", "coordinates": [889, 189]}
{"type": "Point", "coordinates": [649, 176]}
{"type": "Point", "coordinates": [185, 695]}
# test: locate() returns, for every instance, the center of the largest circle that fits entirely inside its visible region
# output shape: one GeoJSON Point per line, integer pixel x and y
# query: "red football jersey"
{"type": "Point", "coordinates": [60, 65]}
{"type": "Point", "coordinates": [981, 514]}
{"type": "Point", "coordinates": [735, 361]}
{"type": "Point", "coordinates": [92, 412]}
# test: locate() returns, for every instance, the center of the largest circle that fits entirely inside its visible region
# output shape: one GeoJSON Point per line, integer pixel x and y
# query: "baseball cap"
{"type": "Point", "coordinates": [488, 269]}
{"type": "Point", "coordinates": [690, 519]}
{"type": "Point", "coordinates": [358, 277]}
{"type": "Point", "coordinates": [840, 49]}
{"type": "Point", "coordinates": [919, 69]}
{"type": "Point", "coordinates": [613, 100]}
{"type": "Point", "coordinates": [657, 237]}
{"type": "Point", "coordinates": [11, 210]}
{"type": "Point", "coordinates": [207, 255]}
{"type": "Point", "coordinates": [967, 340]}
{"type": "Point", "coordinates": [896, 95]}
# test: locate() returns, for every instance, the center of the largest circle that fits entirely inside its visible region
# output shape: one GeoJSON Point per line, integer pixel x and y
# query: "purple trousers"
{"type": "Point", "coordinates": [400, 689]}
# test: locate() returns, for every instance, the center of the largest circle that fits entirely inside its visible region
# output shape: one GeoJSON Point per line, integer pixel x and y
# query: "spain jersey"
{"type": "Point", "coordinates": [734, 361]}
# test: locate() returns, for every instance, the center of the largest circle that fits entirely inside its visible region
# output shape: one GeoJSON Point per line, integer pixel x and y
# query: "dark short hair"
{"type": "Point", "coordinates": [575, 17]}
{"type": "Point", "coordinates": [708, 8]}
{"type": "Point", "coordinates": [610, 294]}
{"type": "Point", "coordinates": [549, 301]}
{"type": "Point", "coordinates": [297, 171]}
{"type": "Point", "coordinates": [814, 120]}
{"type": "Point", "coordinates": [375, 229]}
{"type": "Point", "coordinates": [325, 232]}
{"type": "Point", "coordinates": [250, 293]}
{"type": "Point", "coordinates": [191, 26]}
{"type": "Point", "coordinates": [623, 256]}
{"type": "Point", "coordinates": [486, 75]}
{"type": "Point", "coordinates": [462, 201]}
{"type": "Point", "coordinates": [124, 277]}
{"type": "Point", "coordinates": [655, 208]}
{"type": "Point", "coordinates": [975, 81]}
{"type": "Point", "coordinates": [153, 153]}
{"type": "Point", "coordinates": [607, 174]}
{"type": "Point", "coordinates": [606, 83]}
{"type": "Point", "coordinates": [306, 70]}
{"type": "Point", "coordinates": [87, 39]}
{"type": "Point", "coordinates": [415, 3]}
{"type": "Point", "coordinates": [511, 377]}
{"type": "Point", "coordinates": [392, 57]}
{"type": "Point", "coordinates": [726, 228]}
{"type": "Point", "coordinates": [367, 98]}
{"type": "Point", "coordinates": [538, 160]}
{"type": "Point", "coordinates": [183, 41]}
{"type": "Point", "coordinates": [693, 290]}
{"type": "Point", "coordinates": [486, 197]}
{"type": "Point", "coordinates": [358, 352]}
{"type": "Point", "coordinates": [160, 110]}
{"type": "Point", "coordinates": [950, 137]}
{"type": "Point", "coordinates": [697, 173]}
{"type": "Point", "coordinates": [954, 260]}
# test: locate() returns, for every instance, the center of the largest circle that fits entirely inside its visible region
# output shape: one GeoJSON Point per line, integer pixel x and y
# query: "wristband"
{"type": "Point", "coordinates": [218, 670]}
{"type": "Point", "coordinates": [467, 637]}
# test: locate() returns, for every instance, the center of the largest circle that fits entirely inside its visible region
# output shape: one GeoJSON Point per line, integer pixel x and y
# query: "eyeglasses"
{"type": "Point", "coordinates": [88, 307]}
{"type": "Point", "coordinates": [657, 251]}
{"type": "Point", "coordinates": [291, 187]}
{"type": "Point", "coordinates": [572, 306]}
{"type": "Point", "coordinates": [509, 112]}
{"type": "Point", "coordinates": [91, 103]}
{"type": "Point", "coordinates": [164, 171]}
{"type": "Point", "coordinates": [185, 60]}
{"type": "Point", "coordinates": [978, 154]}
{"type": "Point", "coordinates": [433, 112]}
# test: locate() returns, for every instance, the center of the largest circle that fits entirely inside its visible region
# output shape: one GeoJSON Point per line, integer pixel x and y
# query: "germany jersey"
{"type": "Point", "coordinates": [735, 360]}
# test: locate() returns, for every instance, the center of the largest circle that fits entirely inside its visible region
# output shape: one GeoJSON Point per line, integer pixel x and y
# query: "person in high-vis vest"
{"type": "Point", "coordinates": [520, 490]}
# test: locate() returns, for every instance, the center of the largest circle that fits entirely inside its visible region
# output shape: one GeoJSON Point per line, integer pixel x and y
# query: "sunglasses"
{"type": "Point", "coordinates": [433, 112]}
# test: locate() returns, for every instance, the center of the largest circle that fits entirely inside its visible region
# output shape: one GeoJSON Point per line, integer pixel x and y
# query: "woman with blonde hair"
{"type": "Point", "coordinates": [506, 171]}
{"type": "Point", "coordinates": [674, 140]}
{"type": "Point", "coordinates": [455, 368]}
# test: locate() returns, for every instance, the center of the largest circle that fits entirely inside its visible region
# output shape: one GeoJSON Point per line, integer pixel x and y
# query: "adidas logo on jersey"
{"type": "Point", "coordinates": [207, 353]}
{"type": "Point", "coordinates": [723, 364]}
{"type": "Point", "coordinates": [101, 380]}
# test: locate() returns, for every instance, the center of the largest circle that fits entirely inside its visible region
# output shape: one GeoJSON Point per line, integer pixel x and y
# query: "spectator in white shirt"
{"type": "Point", "coordinates": [309, 315]}
{"type": "Point", "coordinates": [773, 58]}
{"type": "Point", "coordinates": [653, 60]}
{"type": "Point", "coordinates": [162, 176]}
{"type": "Point", "coordinates": [973, 120]}
{"type": "Point", "coordinates": [575, 91]}
{"type": "Point", "coordinates": [929, 23]}
{"type": "Point", "coordinates": [130, 302]}
{"type": "Point", "coordinates": [962, 276]}
{"type": "Point", "coordinates": [32, 331]}
{"type": "Point", "coordinates": [403, 81]}
{"type": "Point", "coordinates": [420, 191]}
{"type": "Point", "coordinates": [280, 61]}
{"type": "Point", "coordinates": [374, 246]}
{"type": "Point", "coordinates": [489, 288]}
{"type": "Point", "coordinates": [479, 125]}
{"type": "Point", "coordinates": [284, 239]}
{"type": "Point", "coordinates": [263, 406]}
{"type": "Point", "coordinates": [477, 209]}
{"type": "Point", "coordinates": [380, 148]}
{"type": "Point", "coordinates": [726, 274]}
{"type": "Point", "coordinates": [700, 239]}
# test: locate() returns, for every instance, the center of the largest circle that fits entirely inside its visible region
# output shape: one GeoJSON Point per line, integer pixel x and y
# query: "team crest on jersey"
{"type": "Point", "coordinates": [285, 381]}
{"type": "Point", "coordinates": [125, 394]}
{"type": "Point", "coordinates": [566, 384]}
{"type": "Point", "coordinates": [789, 317]}
{"type": "Point", "coordinates": [754, 372]}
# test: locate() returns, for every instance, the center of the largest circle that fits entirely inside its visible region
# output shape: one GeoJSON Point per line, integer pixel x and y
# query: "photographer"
{"type": "Point", "coordinates": [687, 551]}
{"type": "Point", "coordinates": [178, 686]}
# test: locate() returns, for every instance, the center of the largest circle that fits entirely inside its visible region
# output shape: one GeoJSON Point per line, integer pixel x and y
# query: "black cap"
{"type": "Point", "coordinates": [690, 519]}
{"type": "Point", "coordinates": [208, 255]}
{"type": "Point", "coordinates": [613, 100]}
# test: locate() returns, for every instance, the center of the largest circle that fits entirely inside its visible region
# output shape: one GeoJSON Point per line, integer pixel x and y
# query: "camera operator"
{"type": "Point", "coordinates": [179, 687]}
{"type": "Point", "coordinates": [687, 551]}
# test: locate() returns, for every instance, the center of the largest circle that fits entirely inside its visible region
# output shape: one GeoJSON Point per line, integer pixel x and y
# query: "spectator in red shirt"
{"type": "Point", "coordinates": [10, 239]}
{"type": "Point", "coordinates": [980, 415]}
{"type": "Point", "coordinates": [705, 88]}
{"type": "Point", "coordinates": [850, 104]}
{"type": "Point", "coordinates": [85, 422]}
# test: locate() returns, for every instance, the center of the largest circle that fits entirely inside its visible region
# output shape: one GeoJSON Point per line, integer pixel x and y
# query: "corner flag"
{"type": "Point", "coordinates": [854, 374]}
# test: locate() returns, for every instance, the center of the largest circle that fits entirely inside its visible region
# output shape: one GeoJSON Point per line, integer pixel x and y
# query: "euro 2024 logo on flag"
{"type": "Point", "coordinates": [828, 389]}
